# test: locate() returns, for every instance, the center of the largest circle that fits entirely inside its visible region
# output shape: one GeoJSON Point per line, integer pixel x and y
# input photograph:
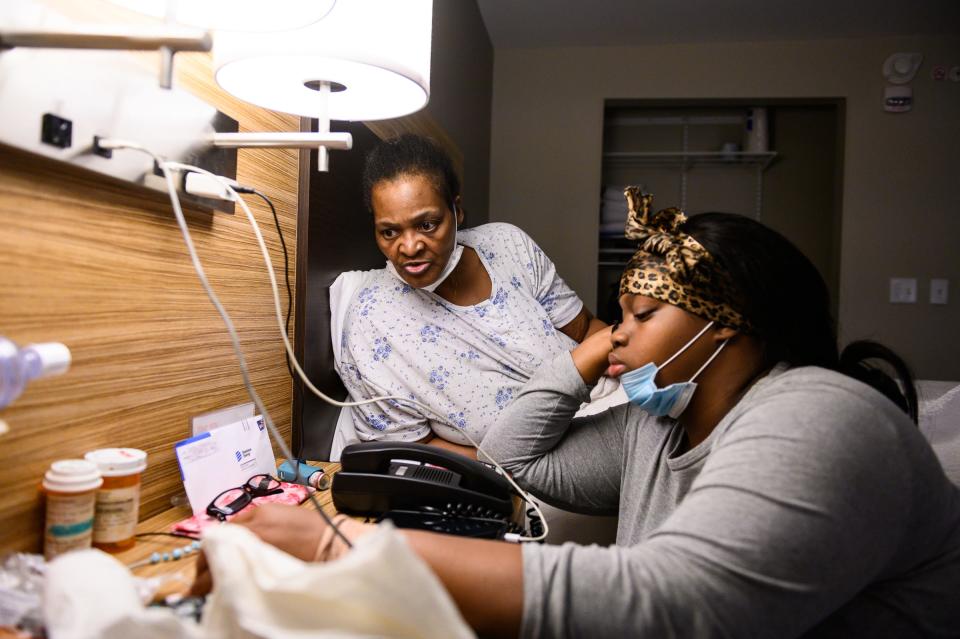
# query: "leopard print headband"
{"type": "Point", "coordinates": [673, 267]}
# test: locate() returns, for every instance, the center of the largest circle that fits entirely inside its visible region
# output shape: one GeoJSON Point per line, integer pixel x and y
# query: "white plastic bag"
{"type": "Point", "coordinates": [378, 589]}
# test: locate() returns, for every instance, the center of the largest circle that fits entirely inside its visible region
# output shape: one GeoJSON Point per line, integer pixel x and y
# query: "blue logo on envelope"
{"type": "Point", "coordinates": [238, 455]}
{"type": "Point", "coordinates": [260, 423]}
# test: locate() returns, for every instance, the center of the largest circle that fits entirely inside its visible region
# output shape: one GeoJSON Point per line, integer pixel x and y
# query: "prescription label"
{"type": "Point", "coordinates": [69, 523]}
{"type": "Point", "coordinates": [116, 514]}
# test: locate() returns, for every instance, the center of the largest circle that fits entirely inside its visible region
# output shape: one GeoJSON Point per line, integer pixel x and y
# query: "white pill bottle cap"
{"type": "Point", "coordinates": [118, 462]}
{"type": "Point", "coordinates": [72, 476]}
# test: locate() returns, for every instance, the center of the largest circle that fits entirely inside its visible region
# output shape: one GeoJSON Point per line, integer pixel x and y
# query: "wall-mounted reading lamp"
{"type": "Point", "coordinates": [246, 19]}
{"type": "Point", "coordinates": [354, 60]}
{"type": "Point", "coordinates": [366, 60]}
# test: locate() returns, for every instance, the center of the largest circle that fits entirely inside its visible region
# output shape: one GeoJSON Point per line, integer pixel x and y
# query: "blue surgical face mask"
{"type": "Point", "coordinates": [641, 387]}
{"type": "Point", "coordinates": [447, 269]}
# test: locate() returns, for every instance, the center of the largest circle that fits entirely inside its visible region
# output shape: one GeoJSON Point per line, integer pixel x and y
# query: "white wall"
{"type": "Point", "coordinates": [901, 197]}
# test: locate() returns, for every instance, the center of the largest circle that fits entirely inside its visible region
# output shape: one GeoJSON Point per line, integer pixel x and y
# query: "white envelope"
{"type": "Point", "coordinates": [222, 417]}
{"type": "Point", "coordinates": [224, 458]}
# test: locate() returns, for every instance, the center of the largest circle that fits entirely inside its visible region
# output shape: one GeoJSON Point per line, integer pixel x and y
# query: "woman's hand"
{"type": "Point", "coordinates": [294, 530]}
{"type": "Point", "coordinates": [590, 357]}
{"type": "Point", "coordinates": [494, 610]}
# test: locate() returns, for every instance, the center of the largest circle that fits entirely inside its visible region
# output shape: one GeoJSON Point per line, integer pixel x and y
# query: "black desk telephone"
{"type": "Point", "coordinates": [420, 486]}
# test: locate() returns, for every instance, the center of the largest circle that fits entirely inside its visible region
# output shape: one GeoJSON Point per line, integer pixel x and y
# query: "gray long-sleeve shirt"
{"type": "Point", "coordinates": [815, 508]}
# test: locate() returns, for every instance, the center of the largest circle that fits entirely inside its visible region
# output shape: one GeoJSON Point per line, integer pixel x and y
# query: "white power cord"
{"type": "Point", "coordinates": [228, 185]}
{"type": "Point", "coordinates": [234, 338]}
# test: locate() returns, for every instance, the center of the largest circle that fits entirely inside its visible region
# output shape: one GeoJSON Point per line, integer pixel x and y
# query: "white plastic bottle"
{"type": "Point", "coordinates": [19, 366]}
{"type": "Point", "coordinates": [756, 131]}
{"type": "Point", "coordinates": [118, 500]}
{"type": "Point", "coordinates": [70, 487]}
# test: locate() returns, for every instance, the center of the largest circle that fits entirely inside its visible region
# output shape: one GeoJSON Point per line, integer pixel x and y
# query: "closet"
{"type": "Point", "coordinates": [775, 161]}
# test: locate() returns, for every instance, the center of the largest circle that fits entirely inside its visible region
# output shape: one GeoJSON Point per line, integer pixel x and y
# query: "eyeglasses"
{"type": "Point", "coordinates": [233, 500]}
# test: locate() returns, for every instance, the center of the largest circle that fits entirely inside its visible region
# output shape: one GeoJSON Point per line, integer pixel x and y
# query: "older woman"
{"type": "Point", "coordinates": [767, 485]}
{"type": "Point", "coordinates": [459, 319]}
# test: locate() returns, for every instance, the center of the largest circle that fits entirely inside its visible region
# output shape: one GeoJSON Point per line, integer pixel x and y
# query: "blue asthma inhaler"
{"type": "Point", "coordinates": [308, 475]}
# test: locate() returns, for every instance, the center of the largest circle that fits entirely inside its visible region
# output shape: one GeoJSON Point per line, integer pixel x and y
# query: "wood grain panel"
{"type": "Point", "coordinates": [102, 268]}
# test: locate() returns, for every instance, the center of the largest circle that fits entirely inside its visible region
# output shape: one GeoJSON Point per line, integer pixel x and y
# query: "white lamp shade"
{"type": "Point", "coordinates": [376, 54]}
{"type": "Point", "coordinates": [236, 15]}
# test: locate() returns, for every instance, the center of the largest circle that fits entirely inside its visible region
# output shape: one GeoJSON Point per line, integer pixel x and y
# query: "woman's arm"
{"type": "Point", "coordinates": [548, 288]}
{"type": "Point", "coordinates": [582, 326]}
{"type": "Point", "coordinates": [484, 578]}
{"type": "Point", "coordinates": [439, 442]}
{"type": "Point", "coordinates": [574, 464]}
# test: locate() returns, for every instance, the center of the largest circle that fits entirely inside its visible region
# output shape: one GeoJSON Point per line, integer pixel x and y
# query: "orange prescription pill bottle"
{"type": "Point", "coordinates": [70, 487]}
{"type": "Point", "coordinates": [118, 500]}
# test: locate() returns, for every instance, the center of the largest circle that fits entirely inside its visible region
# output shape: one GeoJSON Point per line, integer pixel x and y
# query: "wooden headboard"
{"type": "Point", "coordinates": [102, 268]}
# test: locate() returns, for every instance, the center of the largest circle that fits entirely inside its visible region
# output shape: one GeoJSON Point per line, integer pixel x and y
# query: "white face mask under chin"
{"type": "Point", "coordinates": [444, 274]}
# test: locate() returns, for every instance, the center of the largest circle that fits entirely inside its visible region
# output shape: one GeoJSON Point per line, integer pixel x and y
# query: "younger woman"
{"type": "Point", "coordinates": [764, 490]}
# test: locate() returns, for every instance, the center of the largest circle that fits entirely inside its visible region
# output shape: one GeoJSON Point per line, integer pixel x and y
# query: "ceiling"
{"type": "Point", "coordinates": [560, 23]}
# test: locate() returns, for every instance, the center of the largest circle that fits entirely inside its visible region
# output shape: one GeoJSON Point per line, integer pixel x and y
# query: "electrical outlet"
{"type": "Point", "coordinates": [903, 290]}
{"type": "Point", "coordinates": [56, 131]}
{"type": "Point", "coordinates": [938, 290]}
{"type": "Point", "coordinates": [48, 108]}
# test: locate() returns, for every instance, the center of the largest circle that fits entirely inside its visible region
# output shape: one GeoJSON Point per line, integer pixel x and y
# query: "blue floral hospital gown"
{"type": "Point", "coordinates": [465, 362]}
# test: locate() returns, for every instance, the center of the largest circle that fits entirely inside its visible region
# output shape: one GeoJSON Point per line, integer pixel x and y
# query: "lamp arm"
{"type": "Point", "coordinates": [166, 40]}
{"type": "Point", "coordinates": [282, 139]}
{"type": "Point", "coordinates": [129, 39]}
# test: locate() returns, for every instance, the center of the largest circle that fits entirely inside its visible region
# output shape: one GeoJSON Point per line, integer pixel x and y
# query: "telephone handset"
{"type": "Point", "coordinates": [420, 486]}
